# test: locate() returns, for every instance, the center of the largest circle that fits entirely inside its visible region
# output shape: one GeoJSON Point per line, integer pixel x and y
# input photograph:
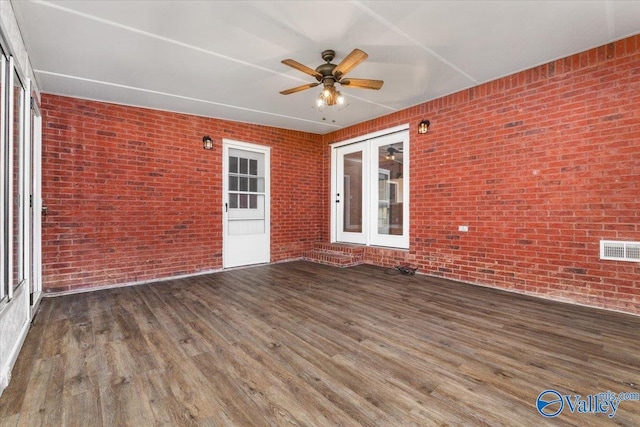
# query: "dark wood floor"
{"type": "Point", "coordinates": [304, 344]}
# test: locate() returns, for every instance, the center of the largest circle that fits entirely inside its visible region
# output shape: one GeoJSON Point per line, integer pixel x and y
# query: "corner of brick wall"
{"type": "Point", "coordinates": [541, 166]}
{"type": "Point", "coordinates": [132, 196]}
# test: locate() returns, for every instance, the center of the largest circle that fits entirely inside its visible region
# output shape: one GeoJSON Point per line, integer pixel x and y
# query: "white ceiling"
{"type": "Point", "coordinates": [222, 58]}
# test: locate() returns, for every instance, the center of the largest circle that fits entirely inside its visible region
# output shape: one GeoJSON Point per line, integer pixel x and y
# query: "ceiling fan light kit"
{"type": "Point", "coordinates": [329, 74]}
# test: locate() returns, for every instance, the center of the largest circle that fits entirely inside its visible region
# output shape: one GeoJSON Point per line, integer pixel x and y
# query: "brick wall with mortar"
{"type": "Point", "coordinates": [132, 195]}
{"type": "Point", "coordinates": [541, 165]}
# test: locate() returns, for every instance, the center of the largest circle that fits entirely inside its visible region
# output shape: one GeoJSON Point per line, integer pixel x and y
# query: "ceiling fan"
{"type": "Point", "coordinates": [329, 74]}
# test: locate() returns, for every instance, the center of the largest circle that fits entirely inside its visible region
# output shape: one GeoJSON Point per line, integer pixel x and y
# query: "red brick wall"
{"type": "Point", "coordinates": [541, 166]}
{"type": "Point", "coordinates": [132, 195]}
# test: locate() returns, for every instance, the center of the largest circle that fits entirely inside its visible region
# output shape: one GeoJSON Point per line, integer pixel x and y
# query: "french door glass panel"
{"type": "Point", "coordinates": [389, 205]}
{"type": "Point", "coordinates": [350, 193]}
{"type": "Point", "coordinates": [352, 207]}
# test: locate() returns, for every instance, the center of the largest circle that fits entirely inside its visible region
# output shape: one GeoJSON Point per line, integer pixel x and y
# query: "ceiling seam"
{"type": "Point", "coordinates": [192, 47]}
{"type": "Point", "coordinates": [398, 31]}
{"type": "Point", "coordinates": [161, 38]}
{"type": "Point", "coordinates": [188, 98]}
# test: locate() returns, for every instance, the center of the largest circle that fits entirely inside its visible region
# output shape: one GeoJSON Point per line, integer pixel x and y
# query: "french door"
{"type": "Point", "coordinates": [370, 183]}
{"type": "Point", "coordinates": [246, 185]}
{"type": "Point", "coordinates": [350, 200]}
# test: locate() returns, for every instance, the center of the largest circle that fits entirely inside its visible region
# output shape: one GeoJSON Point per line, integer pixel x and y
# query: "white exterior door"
{"type": "Point", "coordinates": [350, 197]}
{"type": "Point", "coordinates": [370, 190]}
{"type": "Point", "coordinates": [246, 186]}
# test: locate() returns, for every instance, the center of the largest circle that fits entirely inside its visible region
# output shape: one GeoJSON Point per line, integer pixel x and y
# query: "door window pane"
{"type": "Point", "coordinates": [233, 201]}
{"type": "Point", "coordinates": [390, 203]}
{"type": "Point", "coordinates": [244, 178]}
{"type": "Point", "coordinates": [244, 166]}
{"type": "Point", "coordinates": [352, 209]}
{"type": "Point", "coordinates": [233, 164]}
{"type": "Point", "coordinates": [244, 201]}
{"type": "Point", "coordinates": [233, 183]}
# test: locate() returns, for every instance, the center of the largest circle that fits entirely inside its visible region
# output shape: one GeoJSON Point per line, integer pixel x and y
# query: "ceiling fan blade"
{"type": "Point", "coordinates": [299, 88]}
{"type": "Point", "coordinates": [298, 66]}
{"type": "Point", "coordinates": [363, 83]}
{"type": "Point", "coordinates": [349, 63]}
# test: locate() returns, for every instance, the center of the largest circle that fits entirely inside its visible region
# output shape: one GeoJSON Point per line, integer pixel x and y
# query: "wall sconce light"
{"type": "Point", "coordinates": [423, 127]}
{"type": "Point", "coordinates": [207, 142]}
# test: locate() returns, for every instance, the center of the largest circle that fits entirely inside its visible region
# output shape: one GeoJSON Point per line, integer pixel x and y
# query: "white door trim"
{"type": "Point", "coordinates": [36, 210]}
{"type": "Point", "coordinates": [246, 146]}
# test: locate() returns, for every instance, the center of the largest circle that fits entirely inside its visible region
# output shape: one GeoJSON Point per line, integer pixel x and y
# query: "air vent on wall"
{"type": "Point", "coordinates": [620, 251]}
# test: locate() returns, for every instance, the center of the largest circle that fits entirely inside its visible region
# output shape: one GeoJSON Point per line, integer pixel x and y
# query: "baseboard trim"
{"type": "Point", "coordinates": [125, 285]}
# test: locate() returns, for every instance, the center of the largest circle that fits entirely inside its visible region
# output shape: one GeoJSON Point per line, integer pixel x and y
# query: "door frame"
{"type": "Point", "coordinates": [333, 175]}
{"type": "Point", "coordinates": [35, 211]}
{"type": "Point", "coordinates": [246, 146]}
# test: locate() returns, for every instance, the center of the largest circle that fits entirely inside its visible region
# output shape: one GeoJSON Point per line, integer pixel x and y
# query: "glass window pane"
{"type": "Point", "coordinates": [390, 185]}
{"type": "Point", "coordinates": [253, 184]}
{"type": "Point", "coordinates": [244, 201]}
{"type": "Point", "coordinates": [233, 201]}
{"type": "Point", "coordinates": [233, 183]}
{"type": "Point", "coordinates": [244, 183]}
{"type": "Point", "coordinates": [233, 164]}
{"type": "Point", "coordinates": [244, 166]}
{"type": "Point", "coordinates": [4, 244]}
{"type": "Point", "coordinates": [352, 167]}
{"type": "Point", "coordinates": [17, 229]}
{"type": "Point", "coordinates": [253, 201]}
{"type": "Point", "coordinates": [253, 167]}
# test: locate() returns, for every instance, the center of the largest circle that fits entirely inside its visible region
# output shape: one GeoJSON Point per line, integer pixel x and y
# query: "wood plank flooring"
{"type": "Point", "coordinates": [301, 344]}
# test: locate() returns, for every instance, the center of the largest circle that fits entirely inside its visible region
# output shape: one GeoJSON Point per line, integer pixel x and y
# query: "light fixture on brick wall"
{"type": "Point", "coordinates": [207, 142]}
{"type": "Point", "coordinates": [423, 127]}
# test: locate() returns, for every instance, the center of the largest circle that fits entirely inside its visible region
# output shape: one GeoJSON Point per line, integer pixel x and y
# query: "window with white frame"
{"type": "Point", "coordinates": [4, 246]}
{"type": "Point", "coordinates": [12, 161]}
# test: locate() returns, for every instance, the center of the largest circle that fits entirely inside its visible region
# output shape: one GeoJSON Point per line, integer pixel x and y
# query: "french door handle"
{"type": "Point", "coordinates": [338, 200]}
{"type": "Point", "coordinates": [226, 207]}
